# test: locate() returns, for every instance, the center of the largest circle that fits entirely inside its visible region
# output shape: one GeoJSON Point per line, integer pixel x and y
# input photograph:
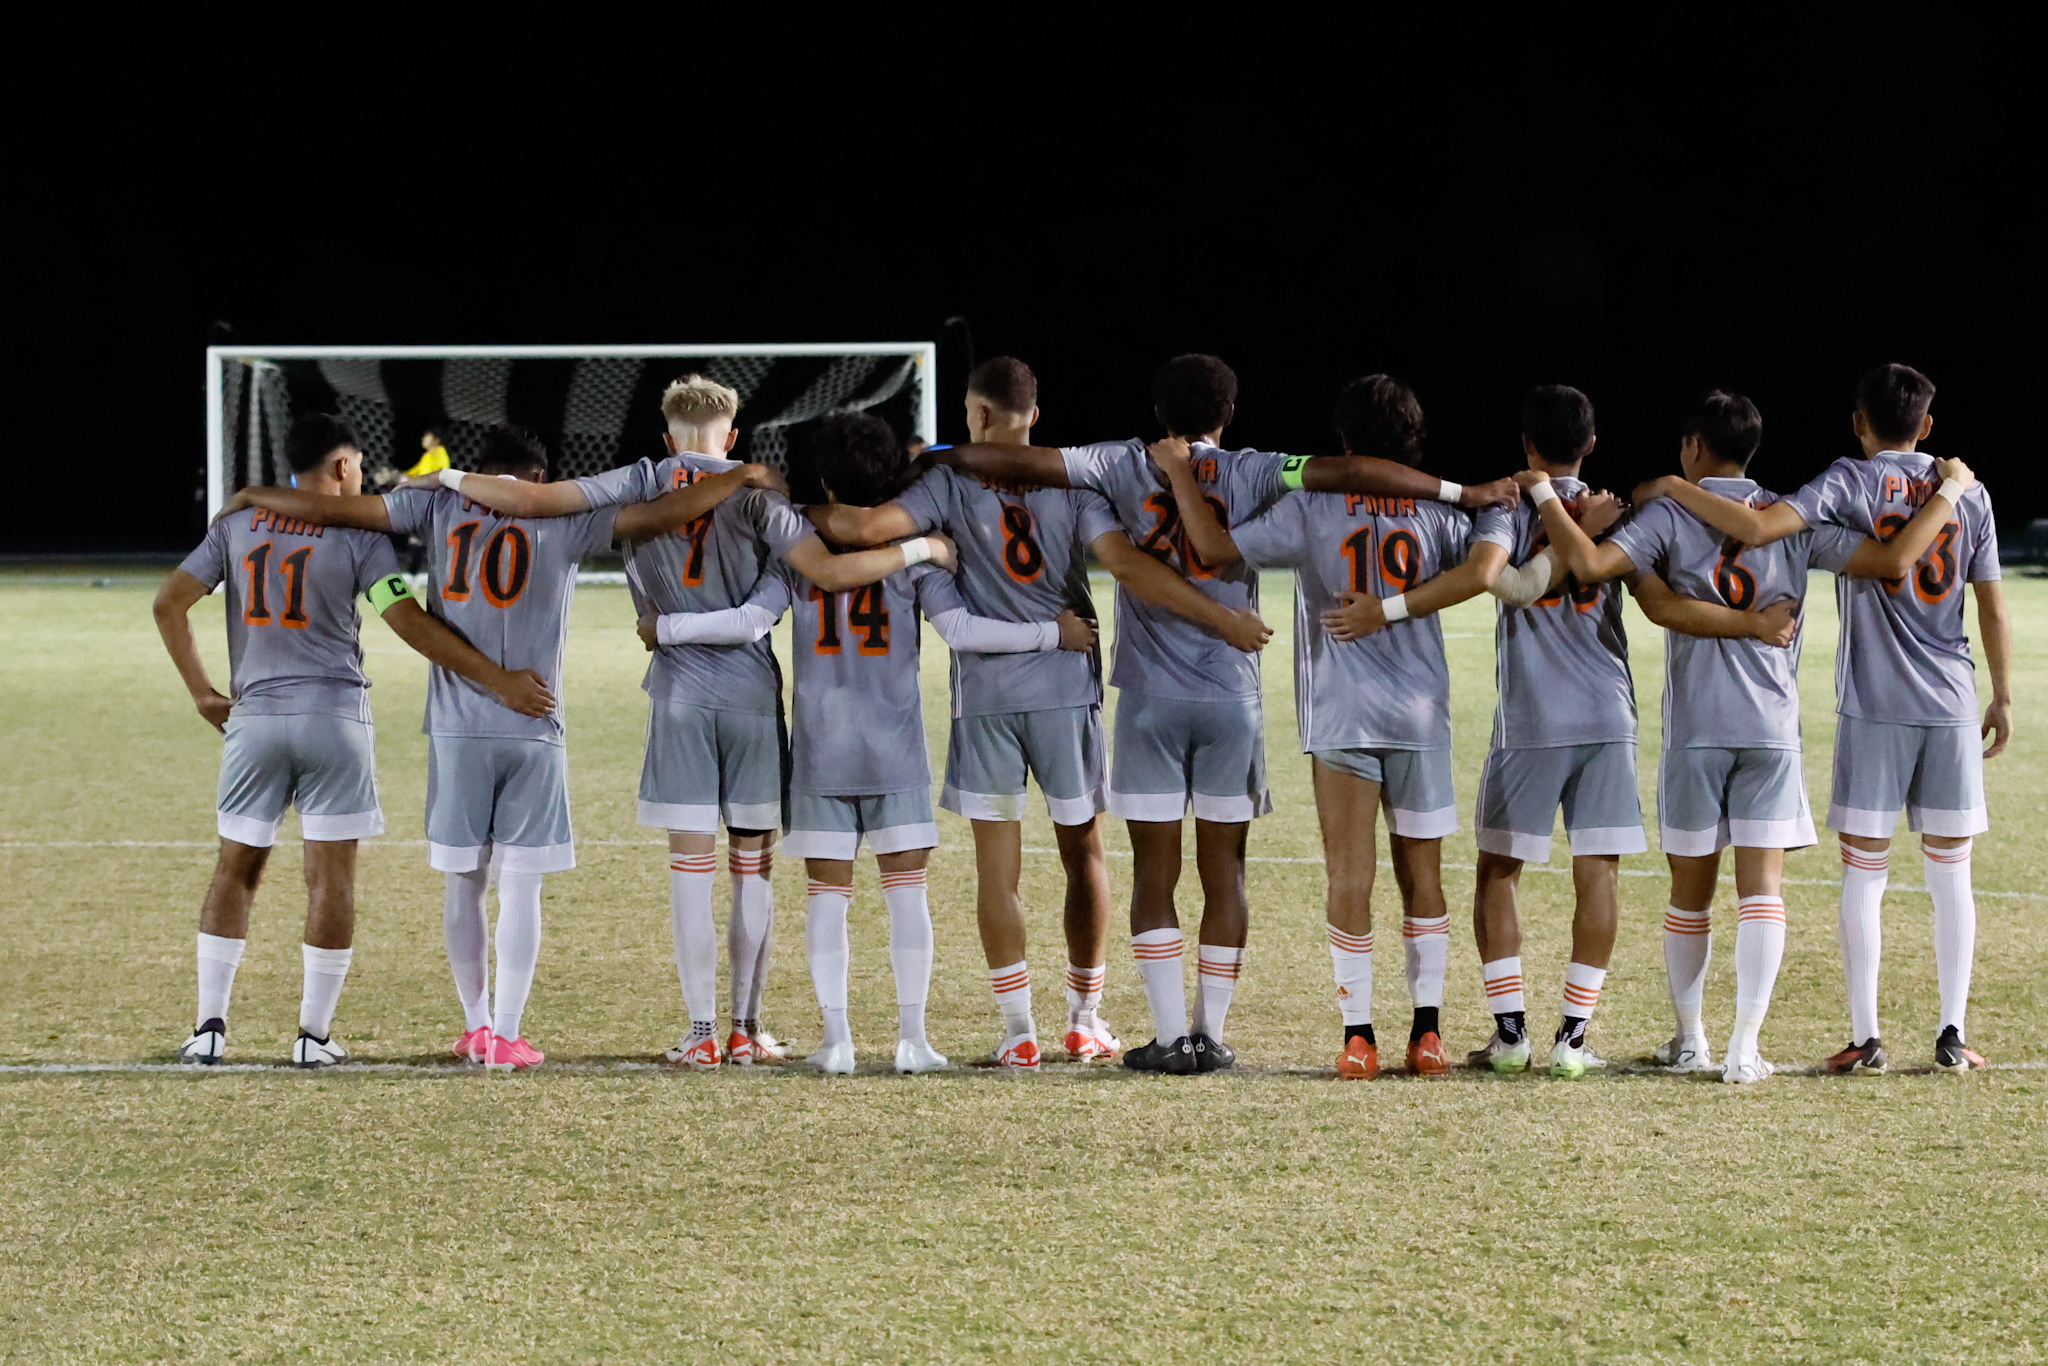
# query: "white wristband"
{"type": "Point", "coordinates": [1952, 489]}
{"type": "Point", "coordinates": [916, 550]}
{"type": "Point", "coordinates": [450, 479]}
{"type": "Point", "coordinates": [1447, 492]}
{"type": "Point", "coordinates": [1539, 494]}
{"type": "Point", "coordinates": [1395, 608]}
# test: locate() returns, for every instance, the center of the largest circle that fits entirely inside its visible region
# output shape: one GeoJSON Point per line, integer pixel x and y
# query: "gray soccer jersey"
{"type": "Point", "coordinates": [1729, 694]}
{"type": "Point", "coordinates": [1904, 656]}
{"type": "Point", "coordinates": [505, 585]}
{"type": "Point", "coordinates": [1561, 663]}
{"type": "Point", "coordinates": [1158, 653]}
{"type": "Point", "coordinates": [294, 644]}
{"type": "Point", "coordinates": [859, 717]}
{"type": "Point", "coordinates": [1391, 690]}
{"type": "Point", "coordinates": [1022, 558]}
{"type": "Point", "coordinates": [711, 564]}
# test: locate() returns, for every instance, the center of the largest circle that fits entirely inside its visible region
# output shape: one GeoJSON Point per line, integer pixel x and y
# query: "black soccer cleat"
{"type": "Point", "coordinates": [1176, 1058]}
{"type": "Point", "coordinates": [1951, 1054]}
{"type": "Point", "coordinates": [1213, 1055]}
{"type": "Point", "coordinates": [1866, 1058]}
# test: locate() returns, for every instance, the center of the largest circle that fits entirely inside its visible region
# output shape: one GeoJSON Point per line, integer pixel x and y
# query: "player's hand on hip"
{"type": "Point", "coordinates": [1501, 490]}
{"type": "Point", "coordinates": [1997, 722]}
{"type": "Point", "coordinates": [214, 708]}
{"type": "Point", "coordinates": [526, 692]}
{"type": "Point", "coordinates": [647, 626]}
{"type": "Point", "coordinates": [1778, 623]}
{"type": "Point", "coordinates": [1076, 631]}
{"type": "Point", "coordinates": [945, 554]}
{"type": "Point", "coordinates": [1956, 470]}
{"type": "Point", "coordinates": [766, 477]}
{"type": "Point", "coordinates": [1243, 630]}
{"type": "Point", "coordinates": [1360, 616]}
{"type": "Point", "coordinates": [1168, 452]}
{"type": "Point", "coordinates": [1598, 512]}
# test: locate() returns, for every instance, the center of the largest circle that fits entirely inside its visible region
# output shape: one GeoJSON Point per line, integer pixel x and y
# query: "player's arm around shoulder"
{"type": "Point", "coordinates": [1589, 562]}
{"type": "Point", "coordinates": [678, 507]}
{"type": "Point", "coordinates": [364, 511]}
{"type": "Point", "coordinates": [1371, 475]}
{"type": "Point", "coordinates": [844, 524]}
{"type": "Point", "coordinates": [1892, 559]}
{"type": "Point", "coordinates": [1750, 525]}
{"type": "Point", "coordinates": [1206, 533]}
{"type": "Point", "coordinates": [836, 573]}
{"type": "Point", "coordinates": [1155, 583]}
{"type": "Point", "coordinates": [1045, 466]}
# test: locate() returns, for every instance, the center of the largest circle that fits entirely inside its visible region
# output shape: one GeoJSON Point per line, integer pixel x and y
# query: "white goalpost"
{"type": "Point", "coordinates": [588, 402]}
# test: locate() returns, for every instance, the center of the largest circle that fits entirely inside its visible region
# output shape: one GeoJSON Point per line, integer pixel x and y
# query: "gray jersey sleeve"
{"type": "Point", "coordinates": [375, 559]}
{"type": "Point", "coordinates": [1098, 466]}
{"type": "Point", "coordinates": [412, 510]}
{"type": "Point", "coordinates": [781, 527]}
{"type": "Point", "coordinates": [1495, 524]}
{"type": "Point", "coordinates": [1093, 516]}
{"type": "Point", "coordinates": [1983, 566]}
{"type": "Point", "coordinates": [1252, 484]}
{"type": "Point", "coordinates": [1276, 538]}
{"type": "Point", "coordinates": [1839, 494]}
{"type": "Point", "coordinates": [1832, 547]}
{"type": "Point", "coordinates": [929, 501]}
{"type": "Point", "coordinates": [208, 562]}
{"type": "Point", "coordinates": [1646, 537]}
{"type": "Point", "coordinates": [634, 483]}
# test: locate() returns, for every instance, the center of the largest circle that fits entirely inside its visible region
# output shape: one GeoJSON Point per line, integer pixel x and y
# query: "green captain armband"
{"type": "Point", "coordinates": [1291, 470]}
{"type": "Point", "coordinates": [387, 590]}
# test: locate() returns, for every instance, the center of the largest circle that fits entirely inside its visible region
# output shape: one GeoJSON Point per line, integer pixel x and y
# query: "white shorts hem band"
{"type": "Point", "coordinates": [358, 825]}
{"type": "Point", "coordinates": [686, 818]}
{"type": "Point", "coordinates": [1693, 843]}
{"type": "Point", "coordinates": [753, 815]}
{"type": "Point", "coordinates": [247, 829]}
{"type": "Point", "coordinates": [1515, 845]}
{"type": "Point", "coordinates": [1075, 810]}
{"type": "Point", "coordinates": [536, 858]}
{"type": "Point", "coordinates": [1422, 825]}
{"type": "Point", "coordinates": [1612, 839]}
{"type": "Point", "coordinates": [455, 858]}
{"type": "Point", "coordinates": [1792, 834]}
{"type": "Point", "coordinates": [983, 806]}
{"type": "Point", "coordinates": [1926, 821]}
{"type": "Point", "coordinates": [1148, 806]}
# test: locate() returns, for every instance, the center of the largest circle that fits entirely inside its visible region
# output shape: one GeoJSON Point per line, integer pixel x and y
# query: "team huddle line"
{"type": "Point", "coordinates": [990, 542]}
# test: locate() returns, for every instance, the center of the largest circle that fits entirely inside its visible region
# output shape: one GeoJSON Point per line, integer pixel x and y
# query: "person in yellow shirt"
{"type": "Point", "coordinates": [434, 460]}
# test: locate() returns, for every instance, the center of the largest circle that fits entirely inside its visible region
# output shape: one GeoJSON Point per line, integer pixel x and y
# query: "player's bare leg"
{"type": "Point", "coordinates": [693, 929]}
{"type": "Point", "coordinates": [1226, 917]}
{"type": "Point", "coordinates": [910, 955]}
{"type": "Point", "coordinates": [1759, 951]}
{"type": "Point", "coordinates": [1866, 869]}
{"type": "Point", "coordinates": [1086, 917]}
{"type": "Point", "coordinates": [1425, 946]}
{"type": "Point", "coordinates": [825, 945]}
{"type": "Point", "coordinates": [1347, 806]}
{"type": "Point", "coordinates": [223, 933]}
{"type": "Point", "coordinates": [1497, 930]}
{"type": "Point", "coordinates": [999, 913]}
{"type": "Point", "coordinates": [750, 941]}
{"type": "Point", "coordinates": [1596, 919]}
{"type": "Point", "coordinates": [1688, 945]}
{"type": "Point", "coordinates": [330, 870]}
{"type": "Point", "coordinates": [1158, 947]}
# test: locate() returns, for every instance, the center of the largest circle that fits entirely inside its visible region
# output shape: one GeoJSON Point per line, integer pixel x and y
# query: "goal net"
{"type": "Point", "coordinates": [597, 407]}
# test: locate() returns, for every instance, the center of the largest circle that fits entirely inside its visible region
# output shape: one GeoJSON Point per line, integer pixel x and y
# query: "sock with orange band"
{"type": "Point", "coordinates": [695, 934]}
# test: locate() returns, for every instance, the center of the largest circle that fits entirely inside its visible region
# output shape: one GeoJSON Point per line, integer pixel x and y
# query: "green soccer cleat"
{"type": "Point", "coordinates": [1500, 1055]}
{"type": "Point", "coordinates": [1572, 1061]}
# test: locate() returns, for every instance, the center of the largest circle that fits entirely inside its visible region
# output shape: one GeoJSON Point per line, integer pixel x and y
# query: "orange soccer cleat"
{"type": "Point", "coordinates": [739, 1049]}
{"type": "Point", "coordinates": [1426, 1056]}
{"type": "Point", "coordinates": [1360, 1061]}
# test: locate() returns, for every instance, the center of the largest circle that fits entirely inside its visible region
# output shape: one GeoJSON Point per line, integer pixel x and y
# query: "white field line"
{"type": "Point", "coordinates": [1560, 870]}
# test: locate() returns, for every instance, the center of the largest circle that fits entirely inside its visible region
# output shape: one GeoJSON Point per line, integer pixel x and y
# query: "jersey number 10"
{"type": "Point", "coordinates": [507, 562]}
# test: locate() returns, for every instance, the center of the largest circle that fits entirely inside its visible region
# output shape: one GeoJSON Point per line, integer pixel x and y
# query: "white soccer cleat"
{"type": "Point", "coordinates": [1092, 1044]}
{"type": "Point", "coordinates": [915, 1055]}
{"type": "Point", "coordinates": [207, 1046]}
{"type": "Point", "coordinates": [1501, 1056]}
{"type": "Point", "coordinates": [1743, 1071]}
{"type": "Point", "coordinates": [1680, 1055]}
{"type": "Point", "coordinates": [766, 1045]}
{"type": "Point", "coordinates": [1572, 1061]}
{"type": "Point", "coordinates": [698, 1055]}
{"type": "Point", "coordinates": [1019, 1051]}
{"type": "Point", "coordinates": [309, 1051]}
{"type": "Point", "coordinates": [834, 1059]}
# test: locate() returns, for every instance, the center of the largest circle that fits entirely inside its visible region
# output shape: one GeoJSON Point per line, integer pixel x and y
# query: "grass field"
{"type": "Point", "coordinates": [598, 1211]}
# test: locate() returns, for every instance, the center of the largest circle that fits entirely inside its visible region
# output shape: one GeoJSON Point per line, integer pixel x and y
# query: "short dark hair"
{"type": "Point", "coordinates": [316, 436]}
{"type": "Point", "coordinates": [1006, 382]}
{"type": "Point", "coordinates": [1727, 425]}
{"type": "Point", "coordinates": [1194, 394]}
{"type": "Point", "coordinates": [1558, 420]}
{"type": "Point", "coordinates": [510, 448]}
{"type": "Point", "coordinates": [1894, 400]}
{"type": "Point", "coordinates": [859, 458]}
{"type": "Point", "coordinates": [1379, 415]}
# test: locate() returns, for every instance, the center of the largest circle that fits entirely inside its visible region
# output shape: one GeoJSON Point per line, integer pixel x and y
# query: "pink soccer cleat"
{"type": "Point", "coordinates": [512, 1055]}
{"type": "Point", "coordinates": [472, 1046]}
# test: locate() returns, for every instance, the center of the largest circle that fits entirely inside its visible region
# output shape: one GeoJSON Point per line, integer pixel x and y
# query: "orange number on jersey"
{"type": "Point", "coordinates": [456, 589]}
{"type": "Point", "coordinates": [1021, 555]}
{"type": "Point", "coordinates": [1936, 574]}
{"type": "Point", "coordinates": [1400, 559]}
{"type": "Point", "coordinates": [294, 567]}
{"type": "Point", "coordinates": [828, 621]}
{"type": "Point", "coordinates": [1735, 584]}
{"type": "Point", "coordinates": [508, 559]}
{"type": "Point", "coordinates": [256, 611]}
{"type": "Point", "coordinates": [868, 612]}
{"type": "Point", "coordinates": [1168, 538]}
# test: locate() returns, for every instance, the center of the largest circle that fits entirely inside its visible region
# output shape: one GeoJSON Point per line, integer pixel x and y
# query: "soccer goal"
{"type": "Point", "coordinates": [596, 406]}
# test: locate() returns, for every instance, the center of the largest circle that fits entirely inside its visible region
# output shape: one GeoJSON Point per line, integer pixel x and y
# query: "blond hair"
{"type": "Point", "coordinates": [694, 400]}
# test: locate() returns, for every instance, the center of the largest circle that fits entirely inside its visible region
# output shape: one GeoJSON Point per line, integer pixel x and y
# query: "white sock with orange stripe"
{"type": "Point", "coordinates": [1084, 995]}
{"type": "Point", "coordinates": [1351, 964]}
{"type": "Point", "coordinates": [695, 932]}
{"type": "Point", "coordinates": [826, 947]}
{"type": "Point", "coordinates": [1426, 949]}
{"type": "Point", "coordinates": [751, 928]}
{"type": "Point", "coordinates": [1955, 928]}
{"type": "Point", "coordinates": [910, 948]}
{"type": "Point", "coordinates": [1012, 988]}
{"type": "Point", "coordinates": [1158, 953]}
{"type": "Point", "coordinates": [1864, 876]}
{"type": "Point", "coordinates": [1216, 970]}
{"type": "Point", "coordinates": [1581, 993]}
{"type": "Point", "coordinates": [1688, 945]}
{"type": "Point", "coordinates": [1759, 950]}
{"type": "Point", "coordinates": [1503, 982]}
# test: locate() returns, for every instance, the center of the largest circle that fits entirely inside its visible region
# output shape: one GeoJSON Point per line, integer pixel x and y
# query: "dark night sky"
{"type": "Point", "coordinates": [1721, 207]}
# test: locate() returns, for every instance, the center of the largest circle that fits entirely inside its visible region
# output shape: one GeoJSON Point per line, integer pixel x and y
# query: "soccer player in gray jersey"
{"type": "Point", "coordinates": [1190, 730]}
{"type": "Point", "coordinates": [1023, 558]}
{"type": "Point", "coordinates": [1372, 691]}
{"type": "Point", "coordinates": [1906, 689]}
{"type": "Point", "coordinates": [497, 784]}
{"type": "Point", "coordinates": [1730, 771]}
{"type": "Point", "coordinates": [715, 747]}
{"type": "Point", "coordinates": [297, 720]}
